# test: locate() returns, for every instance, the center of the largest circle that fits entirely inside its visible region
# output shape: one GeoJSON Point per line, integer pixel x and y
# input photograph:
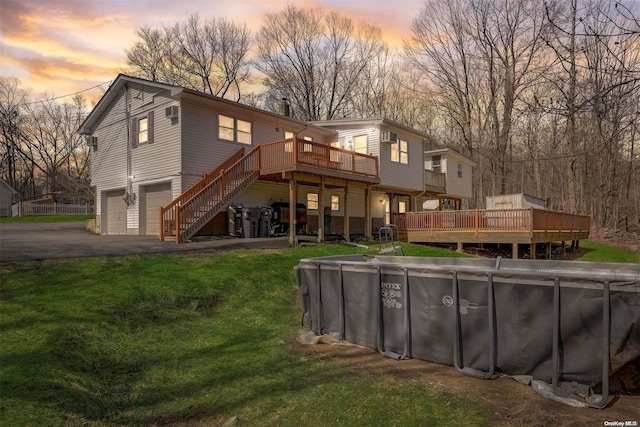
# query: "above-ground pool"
{"type": "Point", "coordinates": [566, 324]}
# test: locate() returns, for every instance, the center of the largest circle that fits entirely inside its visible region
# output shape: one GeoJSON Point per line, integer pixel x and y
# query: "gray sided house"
{"type": "Point", "coordinates": [170, 161]}
{"type": "Point", "coordinates": [6, 198]}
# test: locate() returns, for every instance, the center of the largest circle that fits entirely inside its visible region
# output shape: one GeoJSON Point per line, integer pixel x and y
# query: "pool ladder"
{"type": "Point", "coordinates": [388, 238]}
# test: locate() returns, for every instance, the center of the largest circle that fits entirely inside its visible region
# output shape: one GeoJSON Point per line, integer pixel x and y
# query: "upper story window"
{"type": "Point", "coordinates": [308, 138]}
{"type": "Point", "coordinates": [232, 129]}
{"type": "Point", "coordinates": [402, 206]}
{"type": "Point", "coordinates": [288, 135]}
{"type": "Point", "coordinates": [459, 170]}
{"type": "Point", "coordinates": [436, 163]}
{"type": "Point", "coordinates": [142, 130]}
{"type": "Point", "coordinates": [399, 152]}
{"type": "Point", "coordinates": [360, 144]}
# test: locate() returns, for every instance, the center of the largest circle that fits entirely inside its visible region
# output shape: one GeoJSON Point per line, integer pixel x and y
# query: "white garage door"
{"type": "Point", "coordinates": [155, 196]}
{"type": "Point", "coordinates": [116, 212]}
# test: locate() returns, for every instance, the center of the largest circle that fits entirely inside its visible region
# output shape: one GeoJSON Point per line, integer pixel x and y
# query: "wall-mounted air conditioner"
{"type": "Point", "coordinates": [171, 112]}
{"type": "Point", "coordinates": [388, 137]}
{"type": "Point", "coordinates": [92, 141]}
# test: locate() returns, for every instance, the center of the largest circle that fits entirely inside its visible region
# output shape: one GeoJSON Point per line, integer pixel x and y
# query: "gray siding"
{"type": "Point", "coordinates": [406, 176]}
{"type": "Point", "coordinates": [392, 174]}
{"type": "Point", "coordinates": [150, 162]}
{"type": "Point", "coordinates": [202, 151]}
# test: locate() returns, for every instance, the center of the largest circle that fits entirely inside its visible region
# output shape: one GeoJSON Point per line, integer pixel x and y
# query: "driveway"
{"type": "Point", "coordinates": [27, 242]}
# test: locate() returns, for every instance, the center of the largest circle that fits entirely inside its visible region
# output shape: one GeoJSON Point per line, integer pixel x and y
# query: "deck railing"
{"type": "Point", "coordinates": [435, 180]}
{"type": "Point", "coordinates": [169, 213]}
{"type": "Point", "coordinates": [491, 220]}
{"type": "Point", "coordinates": [295, 151]}
{"type": "Point", "coordinates": [194, 207]}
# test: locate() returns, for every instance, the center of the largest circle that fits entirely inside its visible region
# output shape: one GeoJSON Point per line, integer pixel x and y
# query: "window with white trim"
{"type": "Point", "coordinates": [335, 203]}
{"type": "Point", "coordinates": [312, 200]}
{"type": "Point", "coordinates": [402, 206]}
{"type": "Point", "coordinates": [399, 152]}
{"type": "Point", "coordinates": [232, 129]}
{"type": "Point", "coordinates": [436, 163]}
{"type": "Point", "coordinates": [143, 130]}
{"type": "Point", "coordinates": [459, 170]}
{"type": "Point", "coordinates": [360, 144]}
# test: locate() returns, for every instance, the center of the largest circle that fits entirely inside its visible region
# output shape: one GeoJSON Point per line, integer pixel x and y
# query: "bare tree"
{"type": "Point", "coordinates": [209, 56]}
{"type": "Point", "coordinates": [315, 59]}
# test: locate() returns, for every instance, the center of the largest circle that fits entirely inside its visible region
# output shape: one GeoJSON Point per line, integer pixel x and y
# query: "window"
{"type": "Point", "coordinates": [399, 152]}
{"type": "Point", "coordinates": [335, 203]}
{"type": "Point", "coordinates": [436, 163]}
{"type": "Point", "coordinates": [142, 130]}
{"type": "Point", "coordinates": [231, 129]}
{"type": "Point", "coordinates": [288, 135]}
{"type": "Point", "coordinates": [360, 144]}
{"type": "Point", "coordinates": [459, 170]}
{"type": "Point", "coordinates": [308, 138]}
{"type": "Point", "coordinates": [312, 200]}
{"type": "Point", "coordinates": [402, 206]}
{"type": "Point", "coordinates": [244, 132]}
{"type": "Point", "coordinates": [387, 211]}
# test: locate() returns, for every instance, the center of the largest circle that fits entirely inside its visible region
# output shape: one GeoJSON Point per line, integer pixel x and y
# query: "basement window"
{"type": "Point", "coordinates": [335, 203]}
{"type": "Point", "coordinates": [312, 201]}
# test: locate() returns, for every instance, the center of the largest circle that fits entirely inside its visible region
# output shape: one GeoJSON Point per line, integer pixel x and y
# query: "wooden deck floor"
{"type": "Point", "coordinates": [513, 226]}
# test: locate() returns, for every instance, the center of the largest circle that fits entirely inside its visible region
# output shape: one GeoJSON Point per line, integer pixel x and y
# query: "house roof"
{"type": "Point", "coordinates": [454, 153]}
{"type": "Point", "coordinates": [370, 121]}
{"type": "Point", "coordinates": [86, 128]}
{"type": "Point", "coordinates": [6, 184]}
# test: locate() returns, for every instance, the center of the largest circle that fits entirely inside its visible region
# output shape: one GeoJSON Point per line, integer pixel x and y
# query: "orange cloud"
{"type": "Point", "coordinates": [63, 46]}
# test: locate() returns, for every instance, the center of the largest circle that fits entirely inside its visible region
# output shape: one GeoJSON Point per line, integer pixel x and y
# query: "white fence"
{"type": "Point", "coordinates": [28, 208]}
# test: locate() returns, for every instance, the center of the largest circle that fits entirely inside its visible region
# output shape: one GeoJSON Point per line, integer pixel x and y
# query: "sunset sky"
{"type": "Point", "coordinates": [64, 46]}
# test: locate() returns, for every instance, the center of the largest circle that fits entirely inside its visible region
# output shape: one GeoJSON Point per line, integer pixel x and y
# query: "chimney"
{"type": "Point", "coordinates": [285, 108]}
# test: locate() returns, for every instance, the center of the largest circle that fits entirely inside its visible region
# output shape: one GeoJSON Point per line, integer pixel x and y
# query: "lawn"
{"type": "Point", "coordinates": [46, 218]}
{"type": "Point", "coordinates": [592, 251]}
{"type": "Point", "coordinates": [184, 340]}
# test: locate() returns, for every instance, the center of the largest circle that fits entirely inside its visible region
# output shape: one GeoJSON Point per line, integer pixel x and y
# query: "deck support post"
{"type": "Point", "coordinates": [515, 251]}
{"type": "Point", "coordinates": [346, 212]}
{"type": "Point", "coordinates": [293, 211]}
{"type": "Point", "coordinates": [367, 212]}
{"type": "Point", "coordinates": [459, 248]}
{"type": "Point", "coordinates": [563, 249]}
{"type": "Point", "coordinates": [577, 244]}
{"type": "Point", "coordinates": [321, 210]}
{"type": "Point", "coordinates": [532, 251]}
{"type": "Point", "coordinates": [548, 250]}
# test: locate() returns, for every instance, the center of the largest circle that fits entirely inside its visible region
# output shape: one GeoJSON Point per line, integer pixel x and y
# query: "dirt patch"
{"type": "Point", "coordinates": [507, 402]}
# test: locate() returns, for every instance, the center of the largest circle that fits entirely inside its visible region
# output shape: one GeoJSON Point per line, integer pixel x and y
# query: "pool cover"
{"type": "Point", "coordinates": [567, 325]}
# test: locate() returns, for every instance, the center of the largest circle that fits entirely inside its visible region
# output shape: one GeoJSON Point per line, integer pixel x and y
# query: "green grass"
{"type": "Point", "coordinates": [187, 340]}
{"type": "Point", "coordinates": [599, 252]}
{"type": "Point", "coordinates": [46, 218]}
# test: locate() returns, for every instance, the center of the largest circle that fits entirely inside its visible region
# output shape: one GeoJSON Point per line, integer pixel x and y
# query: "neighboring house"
{"type": "Point", "coordinates": [457, 172]}
{"type": "Point", "coordinates": [170, 161]}
{"type": "Point", "coordinates": [6, 198]}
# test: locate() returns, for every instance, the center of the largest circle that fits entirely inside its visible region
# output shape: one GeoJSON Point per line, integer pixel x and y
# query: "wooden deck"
{"type": "Point", "coordinates": [514, 226]}
{"type": "Point", "coordinates": [293, 155]}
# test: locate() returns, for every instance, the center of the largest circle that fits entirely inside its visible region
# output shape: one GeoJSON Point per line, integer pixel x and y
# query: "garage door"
{"type": "Point", "coordinates": [116, 212]}
{"type": "Point", "coordinates": [155, 196]}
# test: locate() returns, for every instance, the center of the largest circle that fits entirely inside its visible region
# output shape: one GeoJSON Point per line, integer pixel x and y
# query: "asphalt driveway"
{"type": "Point", "coordinates": [38, 241]}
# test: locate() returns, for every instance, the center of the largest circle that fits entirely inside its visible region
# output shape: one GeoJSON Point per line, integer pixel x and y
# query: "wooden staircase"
{"type": "Point", "coordinates": [194, 208]}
